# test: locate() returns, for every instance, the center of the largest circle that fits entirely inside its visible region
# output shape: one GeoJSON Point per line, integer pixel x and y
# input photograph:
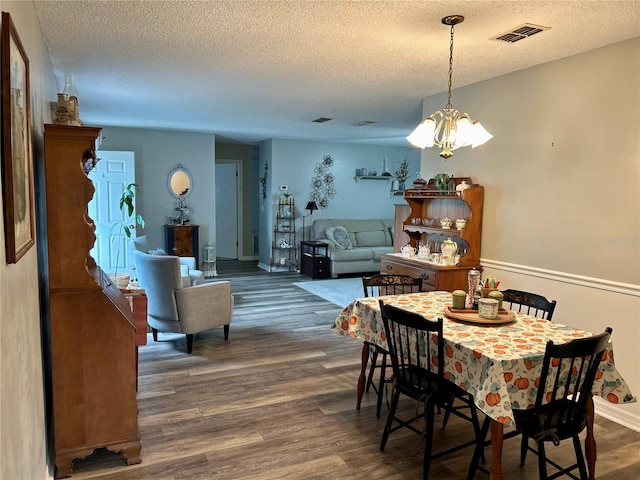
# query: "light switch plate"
{"type": "Point", "coordinates": [284, 188]}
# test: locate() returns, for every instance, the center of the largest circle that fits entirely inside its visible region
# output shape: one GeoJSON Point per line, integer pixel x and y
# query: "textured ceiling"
{"type": "Point", "coordinates": [251, 70]}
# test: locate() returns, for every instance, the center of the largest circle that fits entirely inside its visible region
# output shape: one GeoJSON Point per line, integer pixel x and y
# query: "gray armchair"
{"type": "Point", "coordinates": [190, 274]}
{"type": "Point", "coordinates": [174, 308]}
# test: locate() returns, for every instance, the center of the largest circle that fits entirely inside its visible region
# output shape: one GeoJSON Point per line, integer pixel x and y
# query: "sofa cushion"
{"type": "Point", "coordinates": [340, 236]}
{"type": "Point", "coordinates": [375, 238]}
{"type": "Point", "coordinates": [353, 255]}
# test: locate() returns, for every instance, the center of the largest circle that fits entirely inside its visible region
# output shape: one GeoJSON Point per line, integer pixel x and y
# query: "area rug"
{"type": "Point", "coordinates": [340, 291]}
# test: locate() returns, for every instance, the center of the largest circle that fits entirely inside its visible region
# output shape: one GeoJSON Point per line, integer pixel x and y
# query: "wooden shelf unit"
{"type": "Point", "coordinates": [92, 331]}
{"type": "Point", "coordinates": [432, 204]}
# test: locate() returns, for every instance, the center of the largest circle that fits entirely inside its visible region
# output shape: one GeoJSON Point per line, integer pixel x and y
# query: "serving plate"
{"type": "Point", "coordinates": [471, 316]}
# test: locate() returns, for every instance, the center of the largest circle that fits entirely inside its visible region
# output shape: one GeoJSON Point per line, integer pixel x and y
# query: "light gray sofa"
{"type": "Point", "coordinates": [369, 238]}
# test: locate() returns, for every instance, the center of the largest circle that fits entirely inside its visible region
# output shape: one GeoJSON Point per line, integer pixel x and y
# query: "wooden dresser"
{"type": "Point", "coordinates": [182, 241]}
{"type": "Point", "coordinates": [91, 326]}
{"type": "Point", "coordinates": [431, 204]}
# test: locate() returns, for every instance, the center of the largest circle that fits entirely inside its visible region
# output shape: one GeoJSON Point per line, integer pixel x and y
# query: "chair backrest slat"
{"type": "Point", "coordinates": [381, 284]}
{"type": "Point", "coordinates": [529, 303]}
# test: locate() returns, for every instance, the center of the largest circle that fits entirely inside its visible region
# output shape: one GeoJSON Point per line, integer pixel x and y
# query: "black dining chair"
{"type": "Point", "coordinates": [529, 303]}
{"type": "Point", "coordinates": [375, 286]}
{"type": "Point", "coordinates": [413, 343]}
{"type": "Point", "coordinates": [559, 412]}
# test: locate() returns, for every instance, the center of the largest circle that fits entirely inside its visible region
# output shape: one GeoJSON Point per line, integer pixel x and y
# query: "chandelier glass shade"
{"type": "Point", "coordinates": [449, 129]}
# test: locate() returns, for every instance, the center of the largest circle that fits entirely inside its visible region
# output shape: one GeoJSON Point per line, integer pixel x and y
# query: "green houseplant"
{"type": "Point", "coordinates": [121, 227]}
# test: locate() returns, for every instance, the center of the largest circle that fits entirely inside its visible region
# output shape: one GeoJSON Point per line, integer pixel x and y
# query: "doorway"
{"type": "Point", "coordinates": [227, 208]}
{"type": "Point", "coordinates": [112, 173]}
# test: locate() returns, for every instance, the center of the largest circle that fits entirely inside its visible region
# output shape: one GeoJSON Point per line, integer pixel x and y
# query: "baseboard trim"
{"type": "Point", "coordinates": [616, 414]}
{"type": "Point", "coordinates": [588, 282]}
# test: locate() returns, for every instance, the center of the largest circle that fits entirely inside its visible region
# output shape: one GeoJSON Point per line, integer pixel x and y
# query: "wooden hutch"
{"type": "Point", "coordinates": [432, 204]}
{"type": "Point", "coordinates": [91, 326]}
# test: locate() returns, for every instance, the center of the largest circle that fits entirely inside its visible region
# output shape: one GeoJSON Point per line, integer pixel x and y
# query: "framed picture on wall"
{"type": "Point", "coordinates": [17, 165]}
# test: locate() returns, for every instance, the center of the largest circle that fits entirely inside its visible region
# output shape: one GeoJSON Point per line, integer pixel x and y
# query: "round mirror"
{"type": "Point", "coordinates": [180, 182]}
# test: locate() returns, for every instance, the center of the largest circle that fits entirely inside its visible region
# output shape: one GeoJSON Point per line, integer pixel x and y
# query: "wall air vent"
{"type": "Point", "coordinates": [520, 33]}
{"type": "Point", "coordinates": [321, 120]}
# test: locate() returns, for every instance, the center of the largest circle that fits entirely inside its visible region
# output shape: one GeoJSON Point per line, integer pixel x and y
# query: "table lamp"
{"type": "Point", "coordinates": [311, 206]}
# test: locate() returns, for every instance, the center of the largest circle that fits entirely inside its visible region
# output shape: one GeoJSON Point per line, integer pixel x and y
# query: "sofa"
{"type": "Point", "coordinates": [354, 246]}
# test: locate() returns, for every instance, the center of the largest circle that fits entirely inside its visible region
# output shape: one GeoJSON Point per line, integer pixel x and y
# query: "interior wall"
{"type": "Point", "coordinates": [23, 435]}
{"type": "Point", "coordinates": [562, 174]}
{"type": "Point", "coordinates": [562, 202]}
{"type": "Point", "coordinates": [292, 163]}
{"type": "Point", "coordinates": [156, 153]}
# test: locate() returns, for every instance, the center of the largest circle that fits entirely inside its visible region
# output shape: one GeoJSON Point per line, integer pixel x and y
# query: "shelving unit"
{"type": "Point", "coordinates": [91, 329]}
{"type": "Point", "coordinates": [433, 204]}
{"type": "Point", "coordinates": [373, 177]}
{"type": "Point", "coordinates": [284, 251]}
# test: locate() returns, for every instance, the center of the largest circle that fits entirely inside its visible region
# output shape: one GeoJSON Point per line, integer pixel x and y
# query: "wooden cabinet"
{"type": "Point", "coordinates": [182, 241]}
{"type": "Point", "coordinates": [284, 254]}
{"type": "Point", "coordinates": [91, 326]}
{"type": "Point", "coordinates": [410, 228]}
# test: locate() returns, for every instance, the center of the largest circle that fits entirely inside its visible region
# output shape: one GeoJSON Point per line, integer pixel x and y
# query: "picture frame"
{"type": "Point", "coordinates": [17, 163]}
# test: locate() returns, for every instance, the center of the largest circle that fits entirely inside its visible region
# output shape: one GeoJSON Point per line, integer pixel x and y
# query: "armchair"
{"type": "Point", "coordinates": [190, 275]}
{"type": "Point", "coordinates": [174, 308]}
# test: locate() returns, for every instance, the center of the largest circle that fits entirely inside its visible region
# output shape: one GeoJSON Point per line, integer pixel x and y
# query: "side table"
{"type": "Point", "coordinates": [314, 260]}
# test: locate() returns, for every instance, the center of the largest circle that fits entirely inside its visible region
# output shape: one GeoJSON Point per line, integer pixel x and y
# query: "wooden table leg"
{"type": "Point", "coordinates": [590, 441]}
{"type": "Point", "coordinates": [362, 379]}
{"type": "Point", "coordinates": [497, 437]}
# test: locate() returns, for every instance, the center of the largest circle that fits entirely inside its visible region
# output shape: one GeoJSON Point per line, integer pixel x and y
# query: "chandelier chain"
{"type": "Point", "coordinates": [450, 68]}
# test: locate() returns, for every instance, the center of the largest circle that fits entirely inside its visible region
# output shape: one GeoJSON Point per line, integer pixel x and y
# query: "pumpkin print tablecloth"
{"type": "Point", "coordinates": [498, 364]}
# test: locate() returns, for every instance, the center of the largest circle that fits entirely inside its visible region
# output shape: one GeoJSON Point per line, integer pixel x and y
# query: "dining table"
{"type": "Point", "coordinates": [496, 362]}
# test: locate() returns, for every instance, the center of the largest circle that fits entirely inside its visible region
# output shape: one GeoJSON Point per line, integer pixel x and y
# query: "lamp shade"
{"type": "Point", "coordinates": [311, 206]}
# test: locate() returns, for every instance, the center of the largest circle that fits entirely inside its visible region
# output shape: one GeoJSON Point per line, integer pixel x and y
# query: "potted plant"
{"type": "Point", "coordinates": [122, 228]}
{"type": "Point", "coordinates": [402, 173]}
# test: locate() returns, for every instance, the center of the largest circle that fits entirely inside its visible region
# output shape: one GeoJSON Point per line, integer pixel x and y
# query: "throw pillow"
{"type": "Point", "coordinates": [340, 237]}
{"type": "Point", "coordinates": [157, 251]}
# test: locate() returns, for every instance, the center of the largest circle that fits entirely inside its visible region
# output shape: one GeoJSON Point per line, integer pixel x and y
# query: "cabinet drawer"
{"type": "Point", "coordinates": [429, 276]}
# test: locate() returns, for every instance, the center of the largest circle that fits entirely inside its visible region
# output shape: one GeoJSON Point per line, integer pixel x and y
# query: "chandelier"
{"type": "Point", "coordinates": [449, 128]}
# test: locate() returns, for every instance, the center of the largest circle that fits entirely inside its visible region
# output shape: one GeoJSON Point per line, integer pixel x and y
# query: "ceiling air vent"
{"type": "Point", "coordinates": [364, 123]}
{"type": "Point", "coordinates": [520, 33]}
{"type": "Point", "coordinates": [321, 120]}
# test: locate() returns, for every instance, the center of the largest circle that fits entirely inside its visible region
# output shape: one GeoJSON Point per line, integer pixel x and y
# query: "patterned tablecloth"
{"type": "Point", "coordinates": [499, 364]}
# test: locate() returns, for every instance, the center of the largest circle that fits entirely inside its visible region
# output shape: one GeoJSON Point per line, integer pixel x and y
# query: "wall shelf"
{"type": "Point", "coordinates": [357, 178]}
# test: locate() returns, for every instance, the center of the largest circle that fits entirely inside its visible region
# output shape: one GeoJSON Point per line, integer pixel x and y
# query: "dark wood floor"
{"type": "Point", "coordinates": [277, 401]}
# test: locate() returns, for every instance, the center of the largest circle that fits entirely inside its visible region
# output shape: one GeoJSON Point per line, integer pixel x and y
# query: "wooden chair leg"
{"type": "Point", "coordinates": [542, 461]}
{"type": "Point", "coordinates": [390, 417]}
{"type": "Point", "coordinates": [189, 342]}
{"type": "Point", "coordinates": [226, 332]}
{"type": "Point", "coordinates": [582, 466]}
{"type": "Point", "coordinates": [154, 332]}
{"type": "Point", "coordinates": [372, 368]}
{"type": "Point", "coordinates": [428, 444]}
{"type": "Point", "coordinates": [523, 449]}
{"type": "Point", "coordinates": [479, 450]}
{"type": "Point", "coordinates": [381, 383]}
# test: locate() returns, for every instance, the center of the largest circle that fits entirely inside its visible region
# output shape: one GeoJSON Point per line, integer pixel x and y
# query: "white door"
{"type": "Point", "coordinates": [112, 173]}
{"type": "Point", "coordinates": [227, 210]}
